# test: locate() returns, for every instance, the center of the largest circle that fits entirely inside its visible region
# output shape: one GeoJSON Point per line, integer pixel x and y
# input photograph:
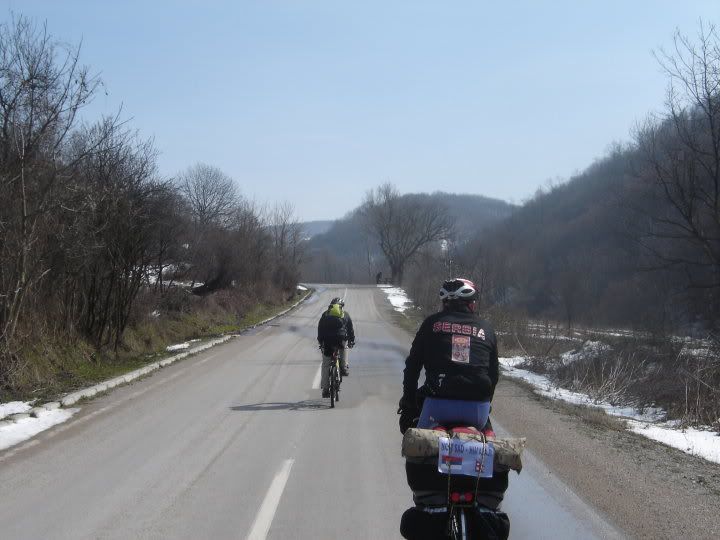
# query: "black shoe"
{"type": "Point", "coordinates": [326, 393]}
{"type": "Point", "coordinates": [345, 372]}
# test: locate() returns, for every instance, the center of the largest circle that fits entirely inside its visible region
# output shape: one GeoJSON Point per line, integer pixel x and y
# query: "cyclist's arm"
{"type": "Point", "coordinates": [413, 365]}
{"type": "Point", "coordinates": [349, 327]}
{"type": "Point", "coordinates": [494, 366]}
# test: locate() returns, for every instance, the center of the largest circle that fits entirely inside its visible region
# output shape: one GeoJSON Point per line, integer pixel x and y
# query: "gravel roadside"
{"type": "Point", "coordinates": [644, 488]}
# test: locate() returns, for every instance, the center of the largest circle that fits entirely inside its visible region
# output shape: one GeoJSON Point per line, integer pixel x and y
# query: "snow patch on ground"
{"type": "Point", "coordinates": [398, 298]}
{"type": "Point", "coordinates": [589, 349]}
{"type": "Point", "coordinates": [27, 428]}
{"type": "Point", "coordinates": [12, 407]}
{"type": "Point", "coordinates": [545, 387]}
{"type": "Point", "coordinates": [178, 347]}
{"type": "Point", "coordinates": [301, 288]}
{"type": "Point", "coordinates": [697, 442]}
{"type": "Point", "coordinates": [648, 422]}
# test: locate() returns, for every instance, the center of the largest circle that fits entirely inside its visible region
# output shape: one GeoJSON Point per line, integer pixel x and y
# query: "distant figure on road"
{"type": "Point", "coordinates": [378, 278]}
{"type": "Point", "coordinates": [335, 329]}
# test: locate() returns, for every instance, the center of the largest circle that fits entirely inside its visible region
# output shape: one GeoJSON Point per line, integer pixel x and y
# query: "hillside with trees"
{"type": "Point", "coordinates": [635, 239]}
{"type": "Point", "coordinates": [352, 250]}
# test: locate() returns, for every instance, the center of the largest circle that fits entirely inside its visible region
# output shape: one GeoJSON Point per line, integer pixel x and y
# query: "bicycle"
{"type": "Point", "coordinates": [459, 498]}
{"type": "Point", "coordinates": [460, 502]}
{"type": "Point", "coordinates": [334, 376]}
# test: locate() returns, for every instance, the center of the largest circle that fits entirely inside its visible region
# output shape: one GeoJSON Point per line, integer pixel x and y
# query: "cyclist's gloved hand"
{"type": "Point", "coordinates": [351, 343]}
{"type": "Point", "coordinates": [407, 420]}
{"type": "Point", "coordinates": [409, 413]}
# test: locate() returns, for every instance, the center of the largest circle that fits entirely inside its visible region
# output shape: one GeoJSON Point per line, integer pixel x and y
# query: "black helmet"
{"type": "Point", "coordinates": [458, 289]}
{"type": "Point", "coordinates": [337, 300]}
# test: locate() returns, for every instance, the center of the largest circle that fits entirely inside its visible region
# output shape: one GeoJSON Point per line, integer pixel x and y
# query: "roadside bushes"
{"type": "Point", "coordinates": [680, 376]}
{"type": "Point", "coordinates": [89, 229]}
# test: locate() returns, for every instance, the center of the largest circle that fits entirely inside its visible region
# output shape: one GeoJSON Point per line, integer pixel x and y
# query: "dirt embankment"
{"type": "Point", "coordinates": [644, 488]}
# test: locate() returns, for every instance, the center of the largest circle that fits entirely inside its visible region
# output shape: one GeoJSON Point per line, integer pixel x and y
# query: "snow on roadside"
{"type": "Point", "coordinates": [12, 407]}
{"type": "Point", "coordinates": [301, 288]}
{"type": "Point", "coordinates": [545, 387]}
{"type": "Point", "coordinates": [26, 428]}
{"type": "Point", "coordinates": [178, 347]}
{"type": "Point", "coordinates": [589, 348]}
{"type": "Point", "coordinates": [398, 298]}
{"type": "Point", "coordinates": [697, 442]}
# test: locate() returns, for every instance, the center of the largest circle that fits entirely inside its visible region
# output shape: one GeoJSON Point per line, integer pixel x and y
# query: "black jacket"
{"type": "Point", "coordinates": [331, 328]}
{"type": "Point", "coordinates": [349, 326]}
{"type": "Point", "coordinates": [459, 353]}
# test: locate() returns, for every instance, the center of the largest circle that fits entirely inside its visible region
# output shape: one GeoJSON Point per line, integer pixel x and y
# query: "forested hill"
{"type": "Point", "coordinates": [573, 253]}
{"type": "Point", "coordinates": [347, 253]}
{"type": "Point", "coordinates": [313, 228]}
{"type": "Point", "coordinates": [601, 249]}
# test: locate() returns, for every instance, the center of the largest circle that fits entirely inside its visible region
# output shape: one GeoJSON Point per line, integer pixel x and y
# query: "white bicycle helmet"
{"type": "Point", "coordinates": [458, 289]}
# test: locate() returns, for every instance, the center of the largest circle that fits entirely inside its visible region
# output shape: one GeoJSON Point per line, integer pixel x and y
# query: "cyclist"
{"type": "Point", "coordinates": [335, 329]}
{"type": "Point", "coordinates": [459, 353]}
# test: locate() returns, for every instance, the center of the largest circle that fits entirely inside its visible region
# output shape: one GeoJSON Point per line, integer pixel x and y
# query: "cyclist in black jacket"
{"type": "Point", "coordinates": [335, 329]}
{"type": "Point", "coordinates": [459, 353]}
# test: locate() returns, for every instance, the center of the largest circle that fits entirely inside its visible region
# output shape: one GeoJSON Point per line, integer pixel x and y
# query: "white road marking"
{"type": "Point", "coordinates": [261, 525]}
{"type": "Point", "coordinates": [316, 380]}
{"type": "Point", "coordinates": [206, 359]}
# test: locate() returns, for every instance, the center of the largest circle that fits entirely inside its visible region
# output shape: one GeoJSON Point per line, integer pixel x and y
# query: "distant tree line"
{"type": "Point", "coordinates": [88, 225]}
{"type": "Point", "coordinates": [389, 232]}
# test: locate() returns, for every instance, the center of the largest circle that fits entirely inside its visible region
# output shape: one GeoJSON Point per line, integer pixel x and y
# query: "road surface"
{"type": "Point", "coordinates": [237, 443]}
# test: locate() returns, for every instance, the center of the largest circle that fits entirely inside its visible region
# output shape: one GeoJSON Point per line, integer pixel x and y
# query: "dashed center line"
{"type": "Point", "coordinates": [264, 518]}
{"type": "Point", "coordinates": [316, 380]}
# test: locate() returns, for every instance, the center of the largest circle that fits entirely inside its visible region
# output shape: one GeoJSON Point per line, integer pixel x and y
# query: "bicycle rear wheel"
{"type": "Point", "coordinates": [332, 383]}
{"type": "Point", "coordinates": [337, 383]}
{"type": "Point", "coordinates": [458, 525]}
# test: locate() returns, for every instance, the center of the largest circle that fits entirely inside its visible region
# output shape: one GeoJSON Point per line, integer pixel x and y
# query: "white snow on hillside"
{"type": "Point", "coordinates": [647, 422]}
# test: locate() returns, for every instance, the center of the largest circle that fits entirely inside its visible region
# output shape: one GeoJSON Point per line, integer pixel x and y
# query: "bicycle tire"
{"type": "Point", "coordinates": [458, 525]}
{"type": "Point", "coordinates": [338, 380]}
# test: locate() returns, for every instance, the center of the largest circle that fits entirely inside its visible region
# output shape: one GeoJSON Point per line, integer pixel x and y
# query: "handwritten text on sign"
{"type": "Point", "coordinates": [469, 458]}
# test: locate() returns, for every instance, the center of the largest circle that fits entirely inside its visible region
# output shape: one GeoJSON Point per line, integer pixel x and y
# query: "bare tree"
{"type": "Point", "coordinates": [211, 195]}
{"type": "Point", "coordinates": [118, 228]}
{"type": "Point", "coordinates": [212, 199]}
{"type": "Point", "coordinates": [288, 251]}
{"type": "Point", "coordinates": [42, 89]}
{"type": "Point", "coordinates": [681, 160]}
{"type": "Point", "coordinates": [404, 224]}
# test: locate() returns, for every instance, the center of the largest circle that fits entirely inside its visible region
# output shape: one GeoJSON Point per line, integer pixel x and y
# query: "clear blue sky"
{"type": "Point", "coordinates": [316, 102]}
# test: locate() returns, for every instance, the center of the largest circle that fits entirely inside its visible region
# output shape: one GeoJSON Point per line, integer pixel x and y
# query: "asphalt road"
{"type": "Point", "coordinates": [237, 443]}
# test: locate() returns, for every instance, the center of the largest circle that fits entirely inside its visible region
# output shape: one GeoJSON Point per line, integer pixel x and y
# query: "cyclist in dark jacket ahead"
{"type": "Point", "coordinates": [335, 329]}
{"type": "Point", "coordinates": [459, 353]}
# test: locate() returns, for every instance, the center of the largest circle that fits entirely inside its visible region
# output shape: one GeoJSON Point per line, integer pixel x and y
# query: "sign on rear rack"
{"type": "Point", "coordinates": [468, 458]}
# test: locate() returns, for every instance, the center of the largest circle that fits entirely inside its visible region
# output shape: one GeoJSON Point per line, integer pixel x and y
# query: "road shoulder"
{"type": "Point", "coordinates": [644, 488]}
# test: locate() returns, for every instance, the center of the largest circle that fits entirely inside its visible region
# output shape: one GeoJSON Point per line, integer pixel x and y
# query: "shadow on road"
{"type": "Point", "coordinates": [305, 405]}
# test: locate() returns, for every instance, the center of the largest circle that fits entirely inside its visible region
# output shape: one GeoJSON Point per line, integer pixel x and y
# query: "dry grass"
{"type": "Point", "coordinates": [51, 366]}
{"type": "Point", "coordinates": [635, 370]}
